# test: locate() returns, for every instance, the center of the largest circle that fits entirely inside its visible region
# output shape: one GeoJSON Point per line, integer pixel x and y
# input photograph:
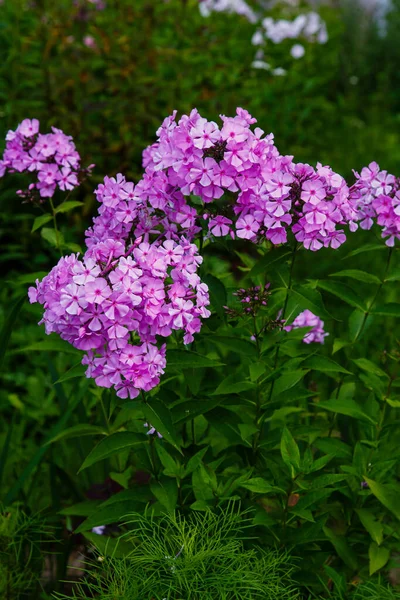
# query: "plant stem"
{"type": "Point", "coordinates": [260, 418]}
{"type": "Point", "coordinates": [289, 287]}
{"type": "Point", "coordinates": [366, 315]}
{"type": "Point", "coordinates": [53, 212]}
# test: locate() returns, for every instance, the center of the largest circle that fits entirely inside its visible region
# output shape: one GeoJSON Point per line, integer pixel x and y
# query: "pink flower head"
{"type": "Point", "coordinates": [308, 319]}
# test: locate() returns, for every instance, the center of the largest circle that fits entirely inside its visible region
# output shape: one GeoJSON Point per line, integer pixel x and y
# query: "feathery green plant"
{"type": "Point", "coordinates": [199, 557]}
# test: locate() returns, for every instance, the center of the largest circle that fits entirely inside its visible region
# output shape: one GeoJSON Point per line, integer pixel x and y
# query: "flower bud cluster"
{"type": "Point", "coordinates": [52, 156]}
{"type": "Point", "coordinates": [251, 300]}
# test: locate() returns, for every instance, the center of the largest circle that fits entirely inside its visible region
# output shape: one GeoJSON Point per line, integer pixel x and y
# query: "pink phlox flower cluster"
{"type": "Point", "coordinates": [308, 319]}
{"type": "Point", "coordinates": [377, 196]}
{"type": "Point", "coordinates": [272, 193]}
{"type": "Point", "coordinates": [122, 296]}
{"type": "Point", "coordinates": [52, 156]}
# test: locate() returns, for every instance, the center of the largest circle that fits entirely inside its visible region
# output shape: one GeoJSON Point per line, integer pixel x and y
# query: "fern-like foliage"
{"type": "Point", "coordinates": [21, 552]}
{"type": "Point", "coordinates": [199, 557]}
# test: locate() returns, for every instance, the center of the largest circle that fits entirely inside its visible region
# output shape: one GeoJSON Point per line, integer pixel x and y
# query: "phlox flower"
{"type": "Point", "coordinates": [308, 319]}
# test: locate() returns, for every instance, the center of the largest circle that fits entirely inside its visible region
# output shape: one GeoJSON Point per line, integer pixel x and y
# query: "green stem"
{"type": "Point", "coordinates": [378, 291]}
{"type": "Point", "coordinates": [153, 457]}
{"type": "Point", "coordinates": [260, 418]}
{"type": "Point", "coordinates": [104, 414]}
{"type": "Point", "coordinates": [53, 212]}
{"type": "Point", "coordinates": [289, 287]}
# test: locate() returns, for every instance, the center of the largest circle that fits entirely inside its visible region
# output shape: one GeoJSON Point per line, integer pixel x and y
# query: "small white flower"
{"type": "Point", "coordinates": [257, 39]}
{"type": "Point", "coordinates": [297, 51]}
{"type": "Point", "coordinates": [260, 64]}
{"type": "Point", "coordinates": [279, 71]}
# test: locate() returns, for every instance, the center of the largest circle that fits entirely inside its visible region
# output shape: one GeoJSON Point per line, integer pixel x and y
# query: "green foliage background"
{"type": "Point", "coordinates": [290, 435]}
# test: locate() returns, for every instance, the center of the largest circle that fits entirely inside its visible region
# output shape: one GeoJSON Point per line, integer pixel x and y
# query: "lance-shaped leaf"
{"type": "Point", "coordinates": [111, 445]}
{"type": "Point", "coordinates": [290, 451]}
{"type": "Point", "coordinates": [159, 416]}
{"type": "Point", "coordinates": [386, 495]}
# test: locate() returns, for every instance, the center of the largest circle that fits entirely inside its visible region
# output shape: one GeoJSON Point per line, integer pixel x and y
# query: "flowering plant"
{"type": "Point", "coordinates": [254, 408]}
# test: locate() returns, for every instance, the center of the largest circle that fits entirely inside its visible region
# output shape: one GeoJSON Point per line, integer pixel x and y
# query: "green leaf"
{"type": "Point", "coordinates": [342, 548]}
{"type": "Point", "coordinates": [357, 275]}
{"type": "Point", "coordinates": [392, 309]}
{"type": "Point", "coordinates": [313, 497]}
{"type": "Point", "coordinates": [309, 298]}
{"type": "Point", "coordinates": [166, 493]}
{"type": "Point", "coordinates": [51, 236]}
{"type": "Point", "coordinates": [321, 462]}
{"type": "Point", "coordinates": [81, 509]}
{"type": "Point", "coordinates": [27, 278]}
{"type": "Point", "coordinates": [67, 206]}
{"type": "Point", "coordinates": [78, 370]}
{"type": "Point", "coordinates": [37, 458]}
{"type": "Point", "coordinates": [369, 366]}
{"type": "Point", "coordinates": [338, 344]}
{"type": "Point", "coordinates": [339, 581]}
{"type": "Point", "coordinates": [190, 410]}
{"type": "Point", "coordinates": [288, 380]}
{"type": "Point", "coordinates": [324, 364]}
{"type": "Point", "coordinates": [280, 414]}
{"type": "Point", "coordinates": [40, 221]}
{"type": "Point", "coordinates": [374, 527]}
{"type": "Point", "coordinates": [366, 248]}
{"type": "Point", "coordinates": [346, 407]}
{"type": "Point", "coordinates": [53, 344]}
{"type": "Point", "coordinates": [111, 445]}
{"type": "Point", "coordinates": [5, 449]}
{"type": "Point", "coordinates": [77, 431]}
{"type": "Point", "coordinates": [258, 485]}
{"type": "Point", "coordinates": [108, 546]}
{"type": "Point", "coordinates": [342, 291]}
{"type": "Point", "coordinates": [386, 495]}
{"type": "Point", "coordinates": [328, 479]}
{"type": "Point", "coordinates": [236, 344]}
{"type": "Point", "coordinates": [290, 452]}
{"type": "Point", "coordinates": [358, 323]}
{"type": "Point", "coordinates": [273, 256]}
{"type": "Point", "coordinates": [184, 359]}
{"type": "Point", "coordinates": [160, 417]}
{"type": "Point", "coordinates": [195, 461]}
{"type": "Point", "coordinates": [217, 293]}
{"type": "Point", "coordinates": [9, 323]}
{"type": "Point", "coordinates": [393, 403]}
{"type": "Point", "coordinates": [112, 513]}
{"type": "Point", "coordinates": [171, 467]}
{"type": "Point", "coordinates": [230, 385]}
{"type": "Point", "coordinates": [378, 557]}
{"type": "Point", "coordinates": [394, 275]}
